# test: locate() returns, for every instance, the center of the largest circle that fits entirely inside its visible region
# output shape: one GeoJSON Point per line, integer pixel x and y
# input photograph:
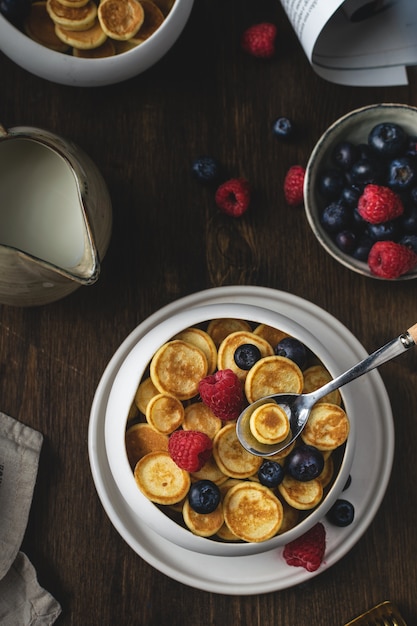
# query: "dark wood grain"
{"type": "Point", "coordinates": [204, 97]}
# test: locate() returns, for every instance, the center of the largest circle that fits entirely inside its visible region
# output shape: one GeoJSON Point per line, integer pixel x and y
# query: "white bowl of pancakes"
{"type": "Point", "coordinates": [150, 399]}
{"type": "Point", "coordinates": [88, 43]}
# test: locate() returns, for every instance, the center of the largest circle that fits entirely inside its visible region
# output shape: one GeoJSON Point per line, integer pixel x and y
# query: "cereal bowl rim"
{"type": "Point", "coordinates": [121, 397]}
{"type": "Point", "coordinates": [362, 119]}
{"type": "Point", "coordinates": [66, 69]}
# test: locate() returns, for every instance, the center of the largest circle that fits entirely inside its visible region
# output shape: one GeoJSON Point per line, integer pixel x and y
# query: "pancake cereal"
{"type": "Point", "coordinates": [167, 400]}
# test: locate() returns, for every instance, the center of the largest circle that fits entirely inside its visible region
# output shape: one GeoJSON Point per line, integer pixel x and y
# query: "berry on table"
{"type": "Point", "coordinates": [222, 392]}
{"type": "Point", "coordinates": [233, 197]}
{"type": "Point", "coordinates": [259, 40]}
{"type": "Point", "coordinates": [206, 169]}
{"type": "Point", "coordinates": [342, 513]}
{"type": "Point", "coordinates": [283, 128]}
{"type": "Point", "coordinates": [388, 259]}
{"type": "Point", "coordinates": [190, 449]}
{"type": "Point", "coordinates": [204, 496]}
{"type": "Point", "coordinates": [308, 550]}
{"type": "Point", "coordinates": [294, 185]}
{"type": "Point", "coordinates": [379, 204]}
{"type": "Point", "coordinates": [246, 355]}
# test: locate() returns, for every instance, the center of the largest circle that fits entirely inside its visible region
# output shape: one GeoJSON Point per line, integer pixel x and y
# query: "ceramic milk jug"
{"type": "Point", "coordinates": [55, 217]}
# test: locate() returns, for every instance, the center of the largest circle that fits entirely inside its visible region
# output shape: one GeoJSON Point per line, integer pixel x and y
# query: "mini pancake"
{"type": "Point", "coordinates": [210, 471]}
{"type": "Point", "coordinates": [232, 459]}
{"type": "Point", "coordinates": [152, 21]}
{"type": "Point", "coordinates": [198, 416]}
{"type": "Point", "coordinates": [165, 5]}
{"type": "Point", "coordinates": [120, 19]}
{"type": "Point", "coordinates": [327, 472]}
{"type": "Point", "coordinates": [74, 3]}
{"type": "Point", "coordinates": [202, 340]}
{"type": "Point", "coordinates": [327, 427]}
{"type": "Point", "coordinates": [229, 345]}
{"type": "Point", "coordinates": [141, 439]}
{"type": "Point", "coordinates": [316, 376]}
{"type": "Point", "coordinates": [271, 375]}
{"type": "Point", "coordinates": [225, 534]}
{"type": "Point", "coordinates": [165, 413]}
{"type": "Point", "coordinates": [39, 27]}
{"type": "Point", "coordinates": [291, 517]}
{"type": "Point", "coordinates": [107, 49]}
{"type": "Point", "coordinates": [270, 334]}
{"type": "Point", "coordinates": [252, 512]}
{"type": "Point", "coordinates": [203, 524]}
{"type": "Point", "coordinates": [72, 18]}
{"type": "Point", "coordinates": [123, 46]}
{"type": "Point", "coordinates": [145, 391]}
{"type": "Point", "coordinates": [177, 368]}
{"type": "Point", "coordinates": [160, 479]}
{"type": "Point", "coordinates": [301, 495]}
{"type": "Point", "coordinates": [88, 39]}
{"type": "Point", "coordinates": [220, 328]}
{"type": "Point", "coordinates": [269, 423]}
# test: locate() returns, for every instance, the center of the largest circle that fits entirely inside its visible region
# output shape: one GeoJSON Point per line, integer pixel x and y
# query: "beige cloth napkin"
{"type": "Point", "coordinates": [23, 601]}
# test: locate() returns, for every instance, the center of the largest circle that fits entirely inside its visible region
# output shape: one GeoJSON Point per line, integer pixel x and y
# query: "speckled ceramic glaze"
{"type": "Point", "coordinates": [70, 70]}
{"type": "Point", "coordinates": [355, 127]}
{"type": "Point", "coordinates": [28, 280]}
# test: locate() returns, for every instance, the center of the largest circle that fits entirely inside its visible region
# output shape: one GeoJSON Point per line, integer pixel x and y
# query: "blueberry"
{"type": "Point", "coordinates": [15, 10]}
{"type": "Point", "coordinates": [386, 231]}
{"type": "Point", "coordinates": [348, 482]}
{"type": "Point", "coordinates": [345, 154]}
{"type": "Point", "coordinates": [342, 513]}
{"type": "Point", "coordinates": [365, 171]}
{"type": "Point", "coordinates": [246, 355]}
{"type": "Point", "coordinates": [410, 241]}
{"type": "Point", "coordinates": [412, 147]}
{"type": "Point", "coordinates": [292, 349]}
{"type": "Point", "coordinates": [388, 139]}
{"type": "Point", "coordinates": [331, 183]}
{"type": "Point", "coordinates": [350, 195]}
{"type": "Point", "coordinates": [362, 249]}
{"type": "Point", "coordinates": [346, 241]}
{"type": "Point", "coordinates": [336, 217]}
{"type": "Point", "coordinates": [408, 221]}
{"type": "Point", "coordinates": [204, 496]}
{"type": "Point", "coordinates": [283, 127]}
{"type": "Point", "coordinates": [206, 169]}
{"type": "Point", "coordinates": [304, 463]}
{"type": "Point", "coordinates": [270, 474]}
{"type": "Point", "coordinates": [401, 174]}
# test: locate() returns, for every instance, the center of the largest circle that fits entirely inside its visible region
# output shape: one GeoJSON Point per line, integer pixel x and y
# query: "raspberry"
{"type": "Point", "coordinates": [222, 392]}
{"type": "Point", "coordinates": [233, 197]}
{"type": "Point", "coordinates": [379, 204]}
{"type": "Point", "coordinates": [308, 550]}
{"type": "Point", "coordinates": [259, 40]}
{"type": "Point", "coordinates": [388, 259]}
{"type": "Point", "coordinates": [293, 185]}
{"type": "Point", "coordinates": [190, 449]}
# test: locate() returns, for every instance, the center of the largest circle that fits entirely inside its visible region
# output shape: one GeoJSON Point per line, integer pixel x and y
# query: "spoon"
{"type": "Point", "coordinates": [298, 406]}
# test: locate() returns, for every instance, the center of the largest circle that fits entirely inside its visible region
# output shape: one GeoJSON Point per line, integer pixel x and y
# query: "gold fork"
{"type": "Point", "coordinates": [383, 614]}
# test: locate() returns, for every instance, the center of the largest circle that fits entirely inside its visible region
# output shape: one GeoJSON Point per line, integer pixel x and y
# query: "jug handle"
{"type": "Point", "coordinates": [3, 131]}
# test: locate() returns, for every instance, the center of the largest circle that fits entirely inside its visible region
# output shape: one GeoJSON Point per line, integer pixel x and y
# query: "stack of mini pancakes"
{"type": "Point", "coordinates": [91, 30]}
{"type": "Point", "coordinates": [167, 399]}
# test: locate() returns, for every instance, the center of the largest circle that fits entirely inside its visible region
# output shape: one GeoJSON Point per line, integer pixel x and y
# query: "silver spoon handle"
{"type": "Point", "coordinates": [382, 355]}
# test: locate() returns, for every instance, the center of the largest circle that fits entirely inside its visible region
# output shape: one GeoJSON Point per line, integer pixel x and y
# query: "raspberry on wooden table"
{"type": "Point", "coordinates": [294, 185]}
{"type": "Point", "coordinates": [308, 550]}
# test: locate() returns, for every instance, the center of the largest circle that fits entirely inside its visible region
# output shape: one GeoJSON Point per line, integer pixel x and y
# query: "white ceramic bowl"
{"type": "Point", "coordinates": [121, 397]}
{"type": "Point", "coordinates": [69, 70]}
{"type": "Point", "coordinates": [354, 126]}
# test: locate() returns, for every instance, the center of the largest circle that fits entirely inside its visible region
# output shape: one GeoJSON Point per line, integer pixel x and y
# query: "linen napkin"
{"type": "Point", "coordinates": [23, 601]}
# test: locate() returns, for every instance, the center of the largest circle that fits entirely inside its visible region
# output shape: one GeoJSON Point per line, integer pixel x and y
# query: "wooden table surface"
{"type": "Point", "coordinates": [169, 241]}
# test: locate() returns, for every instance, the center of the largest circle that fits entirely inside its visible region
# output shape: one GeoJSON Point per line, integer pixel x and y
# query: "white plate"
{"type": "Point", "coordinates": [266, 572]}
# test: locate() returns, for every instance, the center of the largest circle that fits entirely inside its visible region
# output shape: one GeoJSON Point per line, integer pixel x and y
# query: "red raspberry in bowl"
{"type": "Point", "coordinates": [222, 392]}
{"type": "Point", "coordinates": [388, 259]}
{"type": "Point", "coordinates": [379, 204]}
{"type": "Point", "coordinates": [190, 449]}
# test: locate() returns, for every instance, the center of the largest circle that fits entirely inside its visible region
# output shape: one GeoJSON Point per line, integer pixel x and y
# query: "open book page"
{"type": "Point", "coordinates": [357, 42]}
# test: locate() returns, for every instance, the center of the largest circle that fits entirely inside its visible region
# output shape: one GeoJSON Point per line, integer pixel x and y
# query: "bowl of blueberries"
{"type": "Point", "coordinates": [360, 191]}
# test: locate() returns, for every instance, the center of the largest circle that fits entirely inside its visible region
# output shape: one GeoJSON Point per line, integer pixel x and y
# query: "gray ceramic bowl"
{"type": "Point", "coordinates": [354, 126]}
{"type": "Point", "coordinates": [69, 70]}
